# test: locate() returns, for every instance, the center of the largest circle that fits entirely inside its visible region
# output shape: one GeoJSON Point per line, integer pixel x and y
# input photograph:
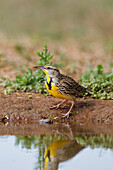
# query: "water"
{"type": "Point", "coordinates": [90, 159]}
{"type": "Point", "coordinates": [74, 150]}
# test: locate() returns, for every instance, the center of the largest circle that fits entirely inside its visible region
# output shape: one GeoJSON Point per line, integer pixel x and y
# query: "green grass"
{"type": "Point", "coordinates": [100, 83]}
{"type": "Point", "coordinates": [30, 79]}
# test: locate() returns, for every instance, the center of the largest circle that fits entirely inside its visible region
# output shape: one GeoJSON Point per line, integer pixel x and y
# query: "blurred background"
{"type": "Point", "coordinates": [91, 19]}
{"type": "Point", "coordinates": [77, 32]}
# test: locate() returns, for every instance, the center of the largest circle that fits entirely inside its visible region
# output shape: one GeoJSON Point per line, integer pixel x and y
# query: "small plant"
{"type": "Point", "coordinates": [45, 56]}
{"type": "Point", "coordinates": [100, 83]}
{"type": "Point", "coordinates": [31, 79]}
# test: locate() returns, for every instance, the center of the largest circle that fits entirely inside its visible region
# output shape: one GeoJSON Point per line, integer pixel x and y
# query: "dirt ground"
{"type": "Point", "coordinates": [34, 107]}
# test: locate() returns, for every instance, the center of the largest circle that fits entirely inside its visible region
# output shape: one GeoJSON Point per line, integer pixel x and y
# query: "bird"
{"type": "Point", "coordinates": [61, 86]}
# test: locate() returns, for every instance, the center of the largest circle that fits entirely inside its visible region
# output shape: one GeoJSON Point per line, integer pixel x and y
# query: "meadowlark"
{"type": "Point", "coordinates": [61, 86]}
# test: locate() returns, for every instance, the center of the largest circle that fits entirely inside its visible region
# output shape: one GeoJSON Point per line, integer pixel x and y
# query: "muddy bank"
{"type": "Point", "coordinates": [30, 108]}
{"type": "Point", "coordinates": [64, 129]}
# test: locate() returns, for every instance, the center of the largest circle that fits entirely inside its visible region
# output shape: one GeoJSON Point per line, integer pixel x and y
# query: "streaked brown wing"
{"type": "Point", "coordinates": [69, 86]}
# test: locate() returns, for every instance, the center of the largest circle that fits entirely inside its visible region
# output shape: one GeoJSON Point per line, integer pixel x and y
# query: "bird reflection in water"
{"type": "Point", "coordinates": [60, 151]}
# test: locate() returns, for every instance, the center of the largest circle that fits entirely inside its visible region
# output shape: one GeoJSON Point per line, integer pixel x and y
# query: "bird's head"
{"type": "Point", "coordinates": [49, 70]}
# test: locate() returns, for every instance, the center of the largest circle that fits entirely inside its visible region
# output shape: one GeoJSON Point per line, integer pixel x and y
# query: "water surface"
{"type": "Point", "coordinates": [70, 151]}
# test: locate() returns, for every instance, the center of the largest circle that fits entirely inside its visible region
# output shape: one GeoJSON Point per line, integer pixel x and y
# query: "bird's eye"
{"type": "Point", "coordinates": [48, 68]}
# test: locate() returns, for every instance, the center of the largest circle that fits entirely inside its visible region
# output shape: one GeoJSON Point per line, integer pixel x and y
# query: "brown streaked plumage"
{"type": "Point", "coordinates": [61, 86]}
{"type": "Point", "coordinates": [69, 86]}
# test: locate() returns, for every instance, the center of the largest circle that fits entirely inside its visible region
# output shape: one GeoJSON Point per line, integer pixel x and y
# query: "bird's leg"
{"type": "Point", "coordinates": [58, 105]}
{"type": "Point", "coordinates": [67, 114]}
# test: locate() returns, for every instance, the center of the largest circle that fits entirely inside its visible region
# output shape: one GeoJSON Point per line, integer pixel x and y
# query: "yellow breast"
{"type": "Point", "coordinates": [54, 90]}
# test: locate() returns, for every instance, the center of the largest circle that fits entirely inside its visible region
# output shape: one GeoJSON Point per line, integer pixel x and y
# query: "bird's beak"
{"type": "Point", "coordinates": [38, 67]}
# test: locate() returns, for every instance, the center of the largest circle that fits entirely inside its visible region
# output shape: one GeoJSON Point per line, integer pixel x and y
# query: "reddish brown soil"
{"type": "Point", "coordinates": [34, 107]}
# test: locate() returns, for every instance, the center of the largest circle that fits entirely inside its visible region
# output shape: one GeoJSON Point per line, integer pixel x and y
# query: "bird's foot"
{"type": "Point", "coordinates": [55, 106]}
{"type": "Point", "coordinates": [68, 113]}
{"type": "Point", "coordinates": [58, 105]}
